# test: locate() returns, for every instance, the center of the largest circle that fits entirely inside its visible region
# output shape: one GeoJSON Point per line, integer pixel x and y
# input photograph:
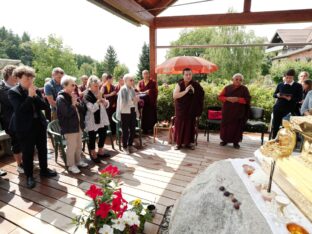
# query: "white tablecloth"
{"type": "Point", "coordinates": [276, 227]}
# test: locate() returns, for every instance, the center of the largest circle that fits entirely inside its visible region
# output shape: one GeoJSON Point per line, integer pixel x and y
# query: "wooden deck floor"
{"type": "Point", "coordinates": [156, 174]}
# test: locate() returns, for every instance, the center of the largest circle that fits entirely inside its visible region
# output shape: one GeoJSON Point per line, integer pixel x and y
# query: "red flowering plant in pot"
{"type": "Point", "coordinates": [109, 212]}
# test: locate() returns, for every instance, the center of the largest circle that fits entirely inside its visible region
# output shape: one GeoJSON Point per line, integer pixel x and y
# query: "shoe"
{"type": "Point", "coordinates": [20, 169]}
{"type": "Point", "coordinates": [126, 150]}
{"type": "Point", "coordinates": [132, 149]}
{"type": "Point", "coordinates": [48, 173]}
{"type": "Point", "coordinates": [236, 146]}
{"type": "Point", "coordinates": [191, 146]}
{"type": "Point", "coordinates": [177, 147]}
{"type": "Point", "coordinates": [3, 173]}
{"type": "Point", "coordinates": [31, 183]}
{"type": "Point", "coordinates": [105, 155]}
{"type": "Point", "coordinates": [222, 143]}
{"type": "Point", "coordinates": [74, 169]}
{"type": "Point", "coordinates": [82, 164]}
{"type": "Point", "coordinates": [96, 160]}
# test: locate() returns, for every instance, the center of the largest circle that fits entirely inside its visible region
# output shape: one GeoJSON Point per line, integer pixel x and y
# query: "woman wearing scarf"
{"type": "Point", "coordinates": [235, 111]}
{"type": "Point", "coordinates": [96, 120]}
{"type": "Point", "coordinates": [70, 123]}
{"type": "Point", "coordinates": [127, 112]}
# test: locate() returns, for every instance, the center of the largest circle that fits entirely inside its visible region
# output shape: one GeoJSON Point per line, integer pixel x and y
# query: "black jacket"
{"type": "Point", "coordinates": [67, 114]}
{"type": "Point", "coordinates": [26, 110]}
{"type": "Point", "coordinates": [6, 111]}
{"type": "Point", "coordinates": [296, 92]}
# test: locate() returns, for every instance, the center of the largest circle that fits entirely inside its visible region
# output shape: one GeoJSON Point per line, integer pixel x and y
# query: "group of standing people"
{"type": "Point", "coordinates": [88, 107]}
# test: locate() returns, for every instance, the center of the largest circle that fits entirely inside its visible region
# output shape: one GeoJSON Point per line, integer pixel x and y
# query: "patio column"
{"type": "Point", "coordinates": [153, 52]}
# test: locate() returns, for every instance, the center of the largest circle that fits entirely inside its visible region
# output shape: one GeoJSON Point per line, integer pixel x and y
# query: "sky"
{"type": "Point", "coordinates": [89, 29]}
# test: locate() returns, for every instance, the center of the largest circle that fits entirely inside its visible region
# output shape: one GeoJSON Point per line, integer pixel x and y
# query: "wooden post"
{"type": "Point", "coordinates": [247, 5]}
{"type": "Point", "coordinates": [153, 51]}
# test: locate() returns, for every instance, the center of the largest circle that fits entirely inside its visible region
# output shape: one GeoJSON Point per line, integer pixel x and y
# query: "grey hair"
{"type": "Point", "coordinates": [104, 75]}
{"type": "Point", "coordinates": [304, 72]}
{"type": "Point", "coordinates": [238, 75]}
{"type": "Point", "coordinates": [47, 79]}
{"type": "Point", "coordinates": [66, 79]}
{"type": "Point", "coordinates": [93, 80]}
{"type": "Point", "coordinates": [127, 77]}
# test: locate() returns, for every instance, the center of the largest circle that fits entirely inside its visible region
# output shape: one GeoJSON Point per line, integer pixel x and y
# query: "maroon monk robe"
{"type": "Point", "coordinates": [234, 115]}
{"type": "Point", "coordinates": [112, 104]}
{"type": "Point", "coordinates": [187, 108]}
{"type": "Point", "coordinates": [149, 112]}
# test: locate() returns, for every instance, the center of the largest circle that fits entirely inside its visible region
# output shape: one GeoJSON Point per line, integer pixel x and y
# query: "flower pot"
{"type": "Point", "coordinates": [152, 209]}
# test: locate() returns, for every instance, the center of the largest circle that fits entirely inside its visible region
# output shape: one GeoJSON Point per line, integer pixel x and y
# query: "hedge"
{"type": "Point", "coordinates": [262, 96]}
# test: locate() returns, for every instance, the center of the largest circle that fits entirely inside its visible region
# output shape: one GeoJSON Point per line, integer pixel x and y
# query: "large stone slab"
{"type": "Point", "coordinates": [202, 208]}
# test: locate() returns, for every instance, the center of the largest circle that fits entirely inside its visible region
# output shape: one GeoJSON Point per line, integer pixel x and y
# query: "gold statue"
{"type": "Point", "coordinates": [283, 145]}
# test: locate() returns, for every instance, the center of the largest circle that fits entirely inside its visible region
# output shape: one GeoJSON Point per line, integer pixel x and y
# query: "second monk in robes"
{"type": "Point", "coordinates": [235, 111]}
{"type": "Point", "coordinates": [148, 92]}
{"type": "Point", "coordinates": [188, 96]}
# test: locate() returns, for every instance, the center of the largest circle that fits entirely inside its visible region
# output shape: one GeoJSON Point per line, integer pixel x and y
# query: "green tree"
{"type": "Point", "coordinates": [279, 68]}
{"type": "Point", "coordinates": [81, 59]}
{"type": "Point", "coordinates": [99, 68]}
{"type": "Point", "coordinates": [86, 69]}
{"type": "Point", "coordinates": [120, 70]}
{"type": "Point", "coordinates": [14, 47]}
{"type": "Point", "coordinates": [144, 62]}
{"type": "Point", "coordinates": [51, 53]}
{"type": "Point", "coordinates": [110, 61]}
{"type": "Point", "coordinates": [230, 60]}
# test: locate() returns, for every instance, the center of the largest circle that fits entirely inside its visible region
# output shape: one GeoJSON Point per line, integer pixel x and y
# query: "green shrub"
{"type": "Point", "coordinates": [279, 68]}
{"type": "Point", "coordinates": [262, 96]}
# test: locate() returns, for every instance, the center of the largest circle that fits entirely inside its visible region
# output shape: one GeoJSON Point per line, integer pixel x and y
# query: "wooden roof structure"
{"type": "Point", "coordinates": [146, 12]}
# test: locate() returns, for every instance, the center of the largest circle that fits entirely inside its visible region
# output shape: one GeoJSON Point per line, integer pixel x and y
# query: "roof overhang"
{"type": "Point", "coordinates": [129, 10]}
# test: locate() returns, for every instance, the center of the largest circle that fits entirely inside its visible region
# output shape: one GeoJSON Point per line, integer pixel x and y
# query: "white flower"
{"type": "Point", "coordinates": [131, 218]}
{"type": "Point", "coordinates": [106, 230]}
{"type": "Point", "coordinates": [143, 212]}
{"type": "Point", "coordinates": [119, 224]}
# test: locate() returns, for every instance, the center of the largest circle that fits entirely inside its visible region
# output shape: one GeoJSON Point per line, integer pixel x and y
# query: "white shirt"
{"type": "Point", "coordinates": [90, 122]}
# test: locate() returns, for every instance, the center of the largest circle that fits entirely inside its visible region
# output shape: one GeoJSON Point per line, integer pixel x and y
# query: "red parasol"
{"type": "Point", "coordinates": [176, 65]}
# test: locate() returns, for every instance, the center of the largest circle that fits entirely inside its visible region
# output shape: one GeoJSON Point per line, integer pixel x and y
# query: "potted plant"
{"type": "Point", "coordinates": [109, 212]}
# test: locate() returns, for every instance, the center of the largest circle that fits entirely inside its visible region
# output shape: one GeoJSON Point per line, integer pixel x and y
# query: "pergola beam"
{"type": "Point", "coordinates": [232, 45]}
{"type": "Point", "coordinates": [245, 18]}
{"type": "Point", "coordinates": [129, 10]}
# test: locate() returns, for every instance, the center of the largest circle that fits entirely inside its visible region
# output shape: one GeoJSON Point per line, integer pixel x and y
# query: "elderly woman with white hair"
{"type": "Point", "coordinates": [235, 111]}
{"type": "Point", "coordinates": [96, 119]}
{"type": "Point", "coordinates": [71, 126]}
{"type": "Point", "coordinates": [127, 112]}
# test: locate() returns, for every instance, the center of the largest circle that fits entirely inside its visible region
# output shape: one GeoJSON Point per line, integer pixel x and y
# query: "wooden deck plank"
{"type": "Point", "coordinates": [156, 174]}
{"type": "Point", "coordinates": [28, 222]}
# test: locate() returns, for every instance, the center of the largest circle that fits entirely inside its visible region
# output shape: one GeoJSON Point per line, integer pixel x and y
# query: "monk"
{"type": "Point", "coordinates": [235, 111]}
{"type": "Point", "coordinates": [188, 97]}
{"type": "Point", "coordinates": [109, 92]}
{"type": "Point", "coordinates": [148, 93]}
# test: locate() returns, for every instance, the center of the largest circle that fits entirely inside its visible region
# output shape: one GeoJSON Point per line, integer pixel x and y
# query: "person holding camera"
{"type": "Point", "coordinates": [188, 96]}
{"type": "Point", "coordinates": [29, 123]}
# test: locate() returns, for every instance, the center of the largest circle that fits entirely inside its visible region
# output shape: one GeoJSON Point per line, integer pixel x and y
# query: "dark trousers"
{"type": "Point", "coordinates": [37, 137]}
{"type": "Point", "coordinates": [128, 122]}
{"type": "Point", "coordinates": [278, 115]}
{"type": "Point", "coordinates": [92, 138]}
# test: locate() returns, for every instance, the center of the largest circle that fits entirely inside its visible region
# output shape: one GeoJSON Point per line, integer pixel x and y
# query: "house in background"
{"type": "Point", "coordinates": [295, 53]}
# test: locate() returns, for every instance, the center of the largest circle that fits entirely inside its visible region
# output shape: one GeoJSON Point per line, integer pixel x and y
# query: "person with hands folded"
{"type": "Point", "coordinates": [29, 123]}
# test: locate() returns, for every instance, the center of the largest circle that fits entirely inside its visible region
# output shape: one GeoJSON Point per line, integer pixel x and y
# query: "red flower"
{"type": "Point", "coordinates": [103, 210]}
{"type": "Point", "coordinates": [93, 192]}
{"type": "Point", "coordinates": [119, 204]}
{"type": "Point", "coordinates": [110, 170]}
